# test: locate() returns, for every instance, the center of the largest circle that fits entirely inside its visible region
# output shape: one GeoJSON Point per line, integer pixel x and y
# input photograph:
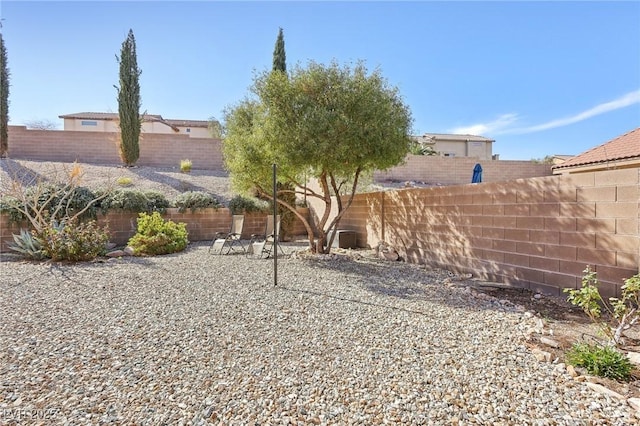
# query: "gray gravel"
{"type": "Point", "coordinates": [198, 339]}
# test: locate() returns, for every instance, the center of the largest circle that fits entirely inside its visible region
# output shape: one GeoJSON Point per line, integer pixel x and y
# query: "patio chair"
{"type": "Point", "coordinates": [261, 245]}
{"type": "Point", "coordinates": [225, 242]}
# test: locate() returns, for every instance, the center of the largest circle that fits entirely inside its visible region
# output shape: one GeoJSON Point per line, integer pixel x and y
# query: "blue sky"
{"type": "Point", "coordinates": [540, 78]}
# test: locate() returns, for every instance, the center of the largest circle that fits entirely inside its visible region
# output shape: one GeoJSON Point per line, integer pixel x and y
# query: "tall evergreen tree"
{"type": "Point", "coordinates": [286, 190]}
{"type": "Point", "coordinates": [279, 56]}
{"type": "Point", "coordinates": [129, 102]}
{"type": "Point", "coordinates": [4, 100]}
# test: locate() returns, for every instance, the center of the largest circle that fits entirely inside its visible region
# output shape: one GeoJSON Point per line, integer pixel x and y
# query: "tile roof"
{"type": "Point", "coordinates": [623, 147]}
{"type": "Point", "coordinates": [147, 117]}
{"type": "Point", "coordinates": [450, 137]}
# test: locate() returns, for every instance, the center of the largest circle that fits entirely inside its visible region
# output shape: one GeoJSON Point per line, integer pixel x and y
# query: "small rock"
{"type": "Point", "coordinates": [537, 296]}
{"type": "Point", "coordinates": [634, 403]}
{"type": "Point", "coordinates": [604, 390]}
{"type": "Point", "coordinates": [572, 371]}
{"type": "Point", "coordinates": [549, 342]}
{"type": "Point", "coordinates": [129, 251]}
{"type": "Point", "coordinates": [634, 357]}
{"type": "Point", "coordinates": [116, 253]}
{"type": "Point", "coordinates": [541, 355]}
{"type": "Point", "coordinates": [110, 246]}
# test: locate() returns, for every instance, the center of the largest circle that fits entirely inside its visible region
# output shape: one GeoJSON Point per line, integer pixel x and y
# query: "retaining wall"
{"type": "Point", "coordinates": [202, 225]}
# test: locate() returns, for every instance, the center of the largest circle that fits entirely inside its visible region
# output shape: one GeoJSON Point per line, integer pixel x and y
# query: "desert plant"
{"type": "Point", "coordinates": [624, 311]}
{"type": "Point", "coordinates": [241, 204]}
{"type": "Point", "coordinates": [158, 236]}
{"type": "Point", "coordinates": [27, 245]}
{"type": "Point", "coordinates": [134, 201]}
{"type": "Point", "coordinates": [195, 200]}
{"type": "Point", "coordinates": [185, 166]}
{"type": "Point", "coordinates": [603, 361]}
{"type": "Point", "coordinates": [124, 181]}
{"type": "Point", "coordinates": [39, 202]}
{"type": "Point", "coordinates": [73, 241]}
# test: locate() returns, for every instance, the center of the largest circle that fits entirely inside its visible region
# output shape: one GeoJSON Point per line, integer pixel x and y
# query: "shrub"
{"type": "Point", "coordinates": [625, 311]}
{"type": "Point", "coordinates": [195, 200]}
{"type": "Point", "coordinates": [603, 361]}
{"type": "Point", "coordinates": [124, 181]}
{"type": "Point", "coordinates": [185, 166]}
{"type": "Point", "coordinates": [240, 204]}
{"type": "Point", "coordinates": [51, 201]}
{"type": "Point", "coordinates": [157, 236]}
{"type": "Point", "coordinates": [134, 201]}
{"type": "Point", "coordinates": [157, 202]}
{"type": "Point", "coordinates": [73, 241]}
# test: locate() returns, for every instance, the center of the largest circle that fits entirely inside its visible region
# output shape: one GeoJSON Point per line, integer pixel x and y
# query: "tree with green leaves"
{"type": "Point", "coordinates": [4, 100]}
{"type": "Point", "coordinates": [332, 123]}
{"type": "Point", "coordinates": [286, 189]}
{"type": "Point", "coordinates": [129, 102]}
{"type": "Point", "coordinates": [279, 55]}
{"type": "Point", "coordinates": [215, 128]}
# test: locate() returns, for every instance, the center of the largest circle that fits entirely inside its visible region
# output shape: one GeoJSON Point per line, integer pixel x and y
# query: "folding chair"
{"type": "Point", "coordinates": [261, 245]}
{"type": "Point", "coordinates": [225, 242]}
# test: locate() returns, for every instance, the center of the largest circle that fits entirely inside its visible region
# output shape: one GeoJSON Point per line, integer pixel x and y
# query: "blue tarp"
{"type": "Point", "coordinates": [477, 174]}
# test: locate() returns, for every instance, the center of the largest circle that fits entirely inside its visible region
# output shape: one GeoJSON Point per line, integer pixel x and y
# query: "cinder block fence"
{"type": "Point", "coordinates": [537, 233]}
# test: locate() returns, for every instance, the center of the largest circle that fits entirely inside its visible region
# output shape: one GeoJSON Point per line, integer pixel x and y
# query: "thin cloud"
{"type": "Point", "coordinates": [504, 124]}
{"type": "Point", "coordinates": [495, 126]}
{"type": "Point", "coordinates": [622, 102]}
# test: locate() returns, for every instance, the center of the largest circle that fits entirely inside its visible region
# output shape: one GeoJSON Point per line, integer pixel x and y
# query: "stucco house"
{"type": "Point", "coordinates": [620, 153]}
{"type": "Point", "coordinates": [151, 123]}
{"type": "Point", "coordinates": [448, 145]}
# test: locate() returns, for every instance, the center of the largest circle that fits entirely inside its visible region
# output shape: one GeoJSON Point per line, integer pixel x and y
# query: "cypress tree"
{"type": "Point", "coordinates": [4, 100]}
{"type": "Point", "coordinates": [129, 102]}
{"type": "Point", "coordinates": [279, 56]}
{"type": "Point", "coordinates": [286, 190]}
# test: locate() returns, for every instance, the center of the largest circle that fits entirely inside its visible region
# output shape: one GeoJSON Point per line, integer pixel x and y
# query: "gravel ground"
{"type": "Point", "coordinates": [198, 339]}
{"type": "Point", "coordinates": [169, 181]}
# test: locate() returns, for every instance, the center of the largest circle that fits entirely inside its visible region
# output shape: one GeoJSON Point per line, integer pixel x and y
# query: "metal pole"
{"type": "Point", "coordinates": [275, 228]}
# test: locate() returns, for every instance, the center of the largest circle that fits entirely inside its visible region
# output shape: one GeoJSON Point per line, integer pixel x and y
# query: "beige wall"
{"type": "Point", "coordinates": [537, 233]}
{"type": "Point", "coordinates": [158, 150]}
{"type": "Point", "coordinates": [75, 124]}
{"type": "Point", "coordinates": [458, 171]}
{"type": "Point", "coordinates": [479, 150]}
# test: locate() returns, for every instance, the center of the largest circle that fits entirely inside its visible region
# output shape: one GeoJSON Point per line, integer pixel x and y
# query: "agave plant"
{"type": "Point", "coordinates": [27, 245]}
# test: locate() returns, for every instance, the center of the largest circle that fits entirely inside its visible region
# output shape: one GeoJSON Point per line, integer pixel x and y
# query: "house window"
{"type": "Point", "coordinates": [188, 130]}
{"type": "Point", "coordinates": [88, 123]}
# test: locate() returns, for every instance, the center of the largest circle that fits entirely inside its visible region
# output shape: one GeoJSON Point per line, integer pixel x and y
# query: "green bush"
{"type": "Point", "coordinates": [195, 200]}
{"type": "Point", "coordinates": [603, 361]}
{"type": "Point", "coordinates": [240, 204]}
{"type": "Point", "coordinates": [73, 241]}
{"type": "Point", "coordinates": [157, 236]}
{"type": "Point", "coordinates": [134, 201]}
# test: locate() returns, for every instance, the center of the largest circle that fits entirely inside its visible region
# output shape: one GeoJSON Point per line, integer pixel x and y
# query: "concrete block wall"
{"type": "Point", "coordinates": [459, 170]}
{"type": "Point", "coordinates": [157, 150]}
{"type": "Point", "coordinates": [202, 224]}
{"type": "Point", "coordinates": [536, 233]}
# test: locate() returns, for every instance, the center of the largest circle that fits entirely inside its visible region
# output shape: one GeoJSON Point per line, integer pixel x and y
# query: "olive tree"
{"type": "Point", "coordinates": [330, 123]}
